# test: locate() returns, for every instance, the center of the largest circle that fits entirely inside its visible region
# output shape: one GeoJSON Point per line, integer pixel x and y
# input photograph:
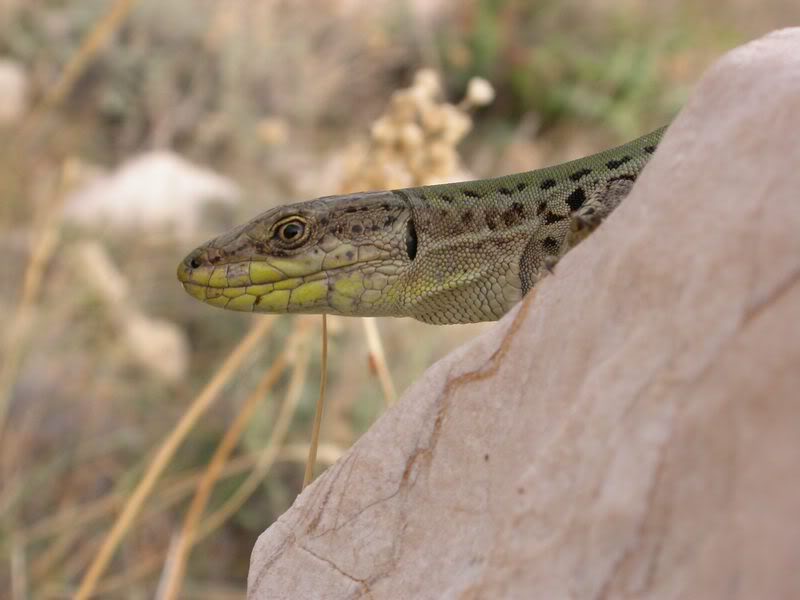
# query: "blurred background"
{"type": "Point", "coordinates": [133, 130]}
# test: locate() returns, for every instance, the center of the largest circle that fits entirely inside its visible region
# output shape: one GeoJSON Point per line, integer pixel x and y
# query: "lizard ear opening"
{"type": "Point", "coordinates": [411, 239]}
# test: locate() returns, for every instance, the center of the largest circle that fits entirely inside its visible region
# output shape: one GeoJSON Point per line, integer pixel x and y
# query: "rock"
{"type": "Point", "coordinates": [154, 192]}
{"type": "Point", "coordinates": [632, 429]}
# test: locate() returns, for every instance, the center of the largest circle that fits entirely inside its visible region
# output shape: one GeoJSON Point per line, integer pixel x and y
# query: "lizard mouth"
{"type": "Point", "coordinates": [345, 280]}
{"type": "Point", "coordinates": [252, 286]}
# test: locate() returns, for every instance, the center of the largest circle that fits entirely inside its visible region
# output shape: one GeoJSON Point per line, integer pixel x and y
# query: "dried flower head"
{"type": "Point", "coordinates": [414, 142]}
{"type": "Point", "coordinates": [479, 92]}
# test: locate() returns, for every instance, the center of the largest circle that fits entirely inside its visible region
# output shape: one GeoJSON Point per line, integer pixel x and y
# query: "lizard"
{"type": "Point", "coordinates": [443, 254]}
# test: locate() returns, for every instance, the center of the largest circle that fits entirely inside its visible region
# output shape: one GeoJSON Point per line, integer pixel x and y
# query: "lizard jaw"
{"type": "Point", "coordinates": [356, 287]}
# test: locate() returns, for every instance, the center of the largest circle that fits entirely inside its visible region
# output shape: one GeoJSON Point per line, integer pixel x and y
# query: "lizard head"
{"type": "Point", "coordinates": [338, 254]}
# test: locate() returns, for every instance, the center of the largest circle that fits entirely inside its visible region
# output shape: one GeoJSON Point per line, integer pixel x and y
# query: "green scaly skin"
{"type": "Point", "coordinates": [452, 253]}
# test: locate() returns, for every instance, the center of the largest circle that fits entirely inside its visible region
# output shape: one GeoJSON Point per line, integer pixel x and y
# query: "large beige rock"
{"type": "Point", "coordinates": [633, 430]}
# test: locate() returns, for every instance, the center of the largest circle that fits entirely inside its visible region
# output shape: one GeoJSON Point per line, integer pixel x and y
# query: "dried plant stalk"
{"type": "Point", "coordinates": [91, 44]}
{"type": "Point", "coordinates": [378, 358]}
{"type": "Point", "coordinates": [167, 450]}
{"type": "Point", "coordinates": [272, 450]}
{"type": "Point", "coordinates": [312, 450]}
{"type": "Point", "coordinates": [174, 572]}
{"type": "Point", "coordinates": [45, 242]}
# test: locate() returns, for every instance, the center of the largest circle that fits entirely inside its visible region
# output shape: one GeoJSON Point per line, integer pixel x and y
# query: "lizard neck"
{"type": "Point", "coordinates": [482, 245]}
{"type": "Point", "coordinates": [468, 238]}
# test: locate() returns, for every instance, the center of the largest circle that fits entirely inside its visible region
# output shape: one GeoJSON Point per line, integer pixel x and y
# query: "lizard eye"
{"type": "Point", "coordinates": [292, 232]}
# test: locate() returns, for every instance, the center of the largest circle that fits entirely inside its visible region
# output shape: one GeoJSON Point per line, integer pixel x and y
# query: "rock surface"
{"type": "Point", "coordinates": [633, 429]}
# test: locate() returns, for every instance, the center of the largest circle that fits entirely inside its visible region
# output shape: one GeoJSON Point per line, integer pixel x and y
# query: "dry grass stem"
{"type": "Point", "coordinates": [110, 587]}
{"type": "Point", "coordinates": [296, 453]}
{"type": "Point", "coordinates": [44, 244]}
{"type": "Point", "coordinates": [272, 449]}
{"type": "Point", "coordinates": [323, 381]}
{"type": "Point", "coordinates": [42, 251]}
{"type": "Point", "coordinates": [19, 578]}
{"type": "Point", "coordinates": [67, 520]}
{"type": "Point", "coordinates": [378, 360]}
{"type": "Point", "coordinates": [54, 552]}
{"type": "Point", "coordinates": [260, 463]}
{"type": "Point", "coordinates": [90, 46]}
{"type": "Point", "coordinates": [175, 568]}
{"type": "Point", "coordinates": [165, 453]}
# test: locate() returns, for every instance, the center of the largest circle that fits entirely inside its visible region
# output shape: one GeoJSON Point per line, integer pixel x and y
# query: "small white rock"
{"type": "Point", "coordinates": [157, 191]}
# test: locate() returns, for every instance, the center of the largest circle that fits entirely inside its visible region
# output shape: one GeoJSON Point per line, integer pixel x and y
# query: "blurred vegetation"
{"type": "Point", "coordinates": [279, 96]}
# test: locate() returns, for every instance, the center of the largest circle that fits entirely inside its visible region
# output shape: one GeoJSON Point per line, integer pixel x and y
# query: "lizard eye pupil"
{"type": "Point", "coordinates": [291, 231]}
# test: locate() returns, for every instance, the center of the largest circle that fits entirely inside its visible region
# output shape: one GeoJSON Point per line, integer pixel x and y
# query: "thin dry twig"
{"type": "Point", "coordinates": [378, 358]}
{"type": "Point", "coordinates": [44, 244]}
{"type": "Point", "coordinates": [323, 381]}
{"type": "Point", "coordinates": [54, 552]}
{"type": "Point", "coordinates": [82, 516]}
{"type": "Point", "coordinates": [19, 578]}
{"type": "Point", "coordinates": [165, 453]}
{"type": "Point", "coordinates": [298, 453]}
{"type": "Point", "coordinates": [124, 581]}
{"type": "Point", "coordinates": [271, 451]}
{"type": "Point", "coordinates": [170, 586]}
{"type": "Point", "coordinates": [90, 46]}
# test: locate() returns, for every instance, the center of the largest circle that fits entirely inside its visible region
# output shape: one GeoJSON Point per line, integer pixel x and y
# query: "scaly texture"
{"type": "Point", "coordinates": [452, 253]}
